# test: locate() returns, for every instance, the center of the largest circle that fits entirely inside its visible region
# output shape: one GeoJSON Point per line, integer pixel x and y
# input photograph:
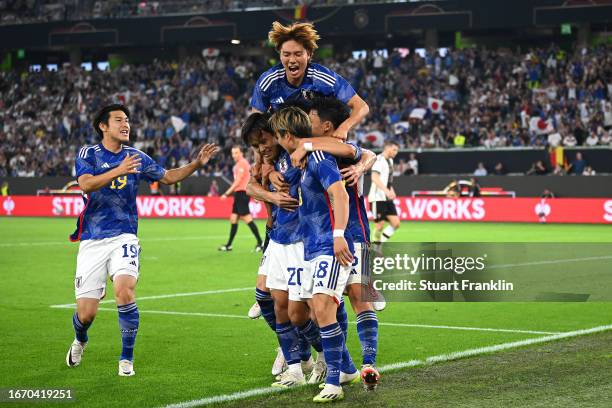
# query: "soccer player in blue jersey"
{"type": "Point", "coordinates": [325, 114]}
{"type": "Point", "coordinates": [328, 249]}
{"type": "Point", "coordinates": [109, 174]}
{"type": "Point", "coordinates": [296, 78]}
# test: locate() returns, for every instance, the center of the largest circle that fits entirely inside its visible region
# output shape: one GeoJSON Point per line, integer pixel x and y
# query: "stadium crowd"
{"type": "Point", "coordinates": [483, 98]}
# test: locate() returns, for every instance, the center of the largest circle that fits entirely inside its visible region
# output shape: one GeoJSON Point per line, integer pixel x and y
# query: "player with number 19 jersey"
{"type": "Point", "coordinates": [112, 210]}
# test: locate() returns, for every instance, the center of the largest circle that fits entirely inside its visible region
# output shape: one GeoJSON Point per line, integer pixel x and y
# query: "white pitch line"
{"type": "Point", "coordinates": [172, 295]}
{"type": "Point", "coordinates": [423, 326]}
{"type": "Point", "coordinates": [405, 364]}
{"type": "Point", "coordinates": [145, 240]}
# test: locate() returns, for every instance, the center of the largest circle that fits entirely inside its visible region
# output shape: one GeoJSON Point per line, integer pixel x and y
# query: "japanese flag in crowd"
{"type": "Point", "coordinates": [375, 137]}
{"type": "Point", "coordinates": [540, 126]}
{"type": "Point", "coordinates": [435, 105]}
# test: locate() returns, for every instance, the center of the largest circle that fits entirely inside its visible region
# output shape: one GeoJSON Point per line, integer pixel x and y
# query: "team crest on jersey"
{"type": "Point", "coordinates": [283, 165]}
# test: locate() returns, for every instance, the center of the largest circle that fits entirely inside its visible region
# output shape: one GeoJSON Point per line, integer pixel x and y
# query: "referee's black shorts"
{"type": "Point", "coordinates": [241, 203]}
{"type": "Point", "coordinates": [383, 209]}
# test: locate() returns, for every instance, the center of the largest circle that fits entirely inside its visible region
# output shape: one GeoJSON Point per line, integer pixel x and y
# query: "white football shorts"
{"type": "Point", "coordinates": [326, 276]}
{"type": "Point", "coordinates": [99, 259]}
{"type": "Point", "coordinates": [285, 268]}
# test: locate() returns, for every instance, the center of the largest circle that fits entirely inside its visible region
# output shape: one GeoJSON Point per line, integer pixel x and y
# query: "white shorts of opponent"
{"type": "Point", "coordinates": [326, 276]}
{"type": "Point", "coordinates": [285, 268]}
{"type": "Point", "coordinates": [99, 259]}
{"type": "Point", "coordinates": [361, 265]}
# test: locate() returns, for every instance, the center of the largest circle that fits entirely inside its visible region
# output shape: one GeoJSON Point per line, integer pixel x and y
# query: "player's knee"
{"type": "Point", "coordinates": [124, 295]}
{"type": "Point", "coordinates": [298, 315]}
{"type": "Point", "coordinates": [87, 316]}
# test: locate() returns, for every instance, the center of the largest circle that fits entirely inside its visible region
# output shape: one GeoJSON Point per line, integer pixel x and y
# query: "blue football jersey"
{"type": "Point", "coordinates": [272, 89]}
{"type": "Point", "coordinates": [286, 227]}
{"type": "Point", "coordinates": [316, 212]}
{"type": "Point", "coordinates": [358, 224]}
{"type": "Point", "coordinates": [111, 211]}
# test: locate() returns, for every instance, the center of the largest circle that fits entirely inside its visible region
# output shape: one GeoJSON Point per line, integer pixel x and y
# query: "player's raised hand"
{"type": "Point", "coordinates": [285, 201]}
{"type": "Point", "coordinates": [351, 174]}
{"type": "Point", "coordinates": [298, 157]}
{"type": "Point", "coordinates": [278, 182]}
{"type": "Point", "coordinates": [342, 252]}
{"type": "Point", "coordinates": [129, 165]}
{"type": "Point", "coordinates": [206, 153]}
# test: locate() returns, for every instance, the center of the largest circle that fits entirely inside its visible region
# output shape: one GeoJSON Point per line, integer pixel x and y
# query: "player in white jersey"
{"type": "Point", "coordinates": [382, 194]}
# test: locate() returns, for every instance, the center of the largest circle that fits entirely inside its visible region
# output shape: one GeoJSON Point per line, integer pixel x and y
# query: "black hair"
{"type": "Point", "coordinates": [330, 109]}
{"type": "Point", "coordinates": [256, 122]}
{"type": "Point", "coordinates": [104, 114]}
{"type": "Point", "coordinates": [390, 143]}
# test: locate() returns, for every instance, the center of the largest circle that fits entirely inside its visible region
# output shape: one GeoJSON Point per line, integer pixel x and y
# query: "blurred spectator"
{"type": "Point", "coordinates": [559, 170]}
{"type": "Point", "coordinates": [538, 168]}
{"type": "Point", "coordinates": [499, 169]}
{"type": "Point", "coordinates": [480, 170]}
{"type": "Point", "coordinates": [474, 188]}
{"type": "Point", "coordinates": [547, 194]}
{"type": "Point", "coordinates": [570, 140]}
{"type": "Point", "coordinates": [213, 191]}
{"type": "Point", "coordinates": [578, 165]}
{"type": "Point", "coordinates": [588, 171]}
{"type": "Point", "coordinates": [413, 165]}
{"type": "Point", "coordinates": [4, 189]}
{"type": "Point", "coordinates": [554, 139]}
{"type": "Point", "coordinates": [592, 140]}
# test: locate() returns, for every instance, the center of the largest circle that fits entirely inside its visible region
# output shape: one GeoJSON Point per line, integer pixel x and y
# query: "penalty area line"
{"type": "Point", "coordinates": [400, 365]}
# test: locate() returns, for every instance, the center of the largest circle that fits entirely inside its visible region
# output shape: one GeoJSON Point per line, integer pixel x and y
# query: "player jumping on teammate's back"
{"type": "Point", "coordinates": [382, 194]}
{"type": "Point", "coordinates": [327, 247]}
{"type": "Point", "coordinates": [109, 174]}
{"type": "Point", "coordinates": [296, 78]}
{"type": "Point", "coordinates": [240, 209]}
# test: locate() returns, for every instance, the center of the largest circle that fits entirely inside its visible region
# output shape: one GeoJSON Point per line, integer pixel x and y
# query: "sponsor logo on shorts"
{"type": "Point", "coordinates": [77, 282]}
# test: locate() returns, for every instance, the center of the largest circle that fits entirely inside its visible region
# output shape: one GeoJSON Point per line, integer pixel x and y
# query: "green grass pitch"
{"type": "Point", "coordinates": [186, 350]}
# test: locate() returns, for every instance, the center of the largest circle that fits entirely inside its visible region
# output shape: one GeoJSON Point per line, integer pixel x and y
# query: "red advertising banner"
{"type": "Point", "coordinates": [557, 210]}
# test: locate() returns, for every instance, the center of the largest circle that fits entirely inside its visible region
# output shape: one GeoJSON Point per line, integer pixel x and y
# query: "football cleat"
{"type": "Point", "coordinates": [225, 248]}
{"type": "Point", "coordinates": [329, 393]}
{"type": "Point", "coordinates": [370, 377]}
{"type": "Point", "coordinates": [75, 353]}
{"type": "Point", "coordinates": [280, 364]}
{"type": "Point", "coordinates": [258, 248]}
{"type": "Point", "coordinates": [289, 379]}
{"type": "Point", "coordinates": [319, 372]}
{"type": "Point", "coordinates": [307, 366]}
{"type": "Point", "coordinates": [378, 303]}
{"type": "Point", "coordinates": [126, 368]}
{"type": "Point", "coordinates": [254, 311]}
{"type": "Point", "coordinates": [346, 379]}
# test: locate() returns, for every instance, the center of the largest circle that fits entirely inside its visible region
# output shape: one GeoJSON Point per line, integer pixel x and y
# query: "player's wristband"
{"type": "Point", "coordinates": [308, 147]}
{"type": "Point", "coordinates": [338, 233]}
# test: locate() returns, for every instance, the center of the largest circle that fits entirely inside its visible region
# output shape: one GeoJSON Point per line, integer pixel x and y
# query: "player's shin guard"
{"type": "Point", "coordinates": [387, 233]}
{"type": "Point", "coordinates": [265, 302]}
{"type": "Point", "coordinates": [288, 339]}
{"type": "Point", "coordinates": [80, 329]}
{"type": "Point", "coordinates": [311, 332]}
{"type": "Point", "coordinates": [128, 323]}
{"type": "Point", "coordinates": [333, 344]}
{"type": "Point", "coordinates": [367, 329]}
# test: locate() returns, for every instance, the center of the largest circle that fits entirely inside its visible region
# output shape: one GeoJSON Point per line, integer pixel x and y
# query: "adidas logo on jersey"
{"type": "Point", "coordinates": [278, 100]}
{"type": "Point", "coordinates": [133, 263]}
{"type": "Point", "coordinates": [319, 285]}
{"type": "Point", "coordinates": [105, 166]}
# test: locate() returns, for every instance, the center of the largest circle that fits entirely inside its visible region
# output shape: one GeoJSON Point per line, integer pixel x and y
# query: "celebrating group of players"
{"type": "Point", "coordinates": [317, 228]}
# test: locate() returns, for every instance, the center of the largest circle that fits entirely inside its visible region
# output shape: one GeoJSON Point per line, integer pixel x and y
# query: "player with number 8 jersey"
{"type": "Point", "coordinates": [109, 174]}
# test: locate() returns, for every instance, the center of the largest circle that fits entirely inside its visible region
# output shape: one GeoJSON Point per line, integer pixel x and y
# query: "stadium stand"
{"type": "Point", "coordinates": [486, 98]}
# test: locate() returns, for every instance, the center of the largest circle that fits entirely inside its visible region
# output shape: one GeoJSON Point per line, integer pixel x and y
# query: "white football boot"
{"type": "Point", "coordinates": [75, 353]}
{"type": "Point", "coordinates": [254, 311]}
{"type": "Point", "coordinates": [126, 368]}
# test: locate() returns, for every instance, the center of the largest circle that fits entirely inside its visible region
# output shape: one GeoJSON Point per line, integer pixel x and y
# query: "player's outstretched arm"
{"type": "Point", "coordinates": [330, 145]}
{"type": "Point", "coordinates": [376, 180]}
{"type": "Point", "coordinates": [90, 183]}
{"type": "Point", "coordinates": [340, 206]}
{"type": "Point", "coordinates": [352, 173]}
{"type": "Point", "coordinates": [359, 110]}
{"type": "Point", "coordinates": [175, 175]}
